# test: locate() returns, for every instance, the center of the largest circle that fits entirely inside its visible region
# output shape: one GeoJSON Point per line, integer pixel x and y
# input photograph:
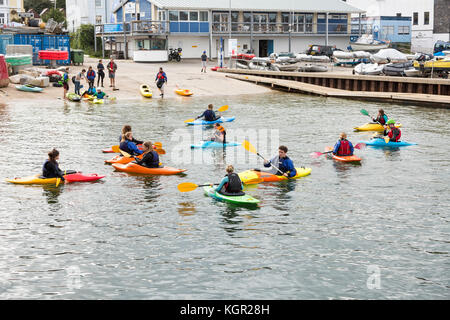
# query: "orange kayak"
{"type": "Point", "coordinates": [121, 159]}
{"type": "Point", "coordinates": [352, 158]}
{"type": "Point", "coordinates": [184, 92]}
{"type": "Point", "coordinates": [135, 168]}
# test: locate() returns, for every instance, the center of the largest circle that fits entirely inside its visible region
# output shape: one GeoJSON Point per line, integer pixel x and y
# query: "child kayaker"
{"type": "Point", "coordinates": [50, 169]}
{"type": "Point", "coordinates": [231, 184]}
{"type": "Point", "coordinates": [220, 134]}
{"type": "Point", "coordinates": [381, 117]}
{"type": "Point", "coordinates": [209, 114]}
{"type": "Point", "coordinates": [127, 128]}
{"type": "Point", "coordinates": [392, 131]}
{"type": "Point", "coordinates": [150, 158]}
{"type": "Point", "coordinates": [282, 162]}
{"type": "Point", "coordinates": [65, 80]}
{"type": "Point", "coordinates": [127, 145]}
{"type": "Point", "coordinates": [343, 147]}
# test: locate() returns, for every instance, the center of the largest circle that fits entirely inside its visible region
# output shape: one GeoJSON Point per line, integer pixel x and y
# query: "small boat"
{"type": "Point", "coordinates": [73, 97]}
{"type": "Point", "coordinates": [205, 123]}
{"type": "Point", "coordinates": [368, 43]}
{"type": "Point", "coordinates": [28, 88]}
{"type": "Point", "coordinates": [374, 127]}
{"type": "Point", "coordinates": [396, 69]}
{"type": "Point", "coordinates": [214, 144]}
{"type": "Point", "coordinates": [412, 72]}
{"type": "Point", "coordinates": [378, 142]}
{"type": "Point", "coordinates": [243, 200]}
{"type": "Point", "coordinates": [184, 92]}
{"type": "Point", "coordinates": [145, 91]}
{"type": "Point", "coordinates": [313, 68]}
{"type": "Point", "coordinates": [368, 69]}
{"type": "Point", "coordinates": [250, 176]}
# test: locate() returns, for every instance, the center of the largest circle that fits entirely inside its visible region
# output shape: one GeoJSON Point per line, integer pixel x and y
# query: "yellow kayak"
{"type": "Point", "coordinates": [374, 127]}
{"type": "Point", "coordinates": [145, 91]}
{"type": "Point", "coordinates": [32, 180]}
{"type": "Point", "coordinates": [98, 101]}
{"type": "Point", "coordinates": [252, 175]}
{"type": "Point", "coordinates": [184, 92]}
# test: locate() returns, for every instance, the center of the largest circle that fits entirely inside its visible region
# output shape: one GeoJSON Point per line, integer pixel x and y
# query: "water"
{"type": "Point", "coordinates": [375, 231]}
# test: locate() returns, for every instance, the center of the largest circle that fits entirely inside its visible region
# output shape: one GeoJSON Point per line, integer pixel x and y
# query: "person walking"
{"type": "Point", "coordinates": [161, 79]}
{"type": "Point", "coordinates": [100, 72]}
{"type": "Point", "coordinates": [204, 58]}
{"type": "Point", "coordinates": [77, 81]}
{"type": "Point", "coordinates": [112, 68]}
{"type": "Point", "coordinates": [91, 77]}
{"type": "Point", "coordinates": [65, 81]}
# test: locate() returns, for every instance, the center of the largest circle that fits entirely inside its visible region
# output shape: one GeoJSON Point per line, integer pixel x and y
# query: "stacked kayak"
{"type": "Point", "coordinates": [145, 91]}
{"type": "Point", "coordinates": [373, 127]}
{"type": "Point", "coordinates": [204, 122]}
{"type": "Point", "coordinates": [352, 158]}
{"type": "Point", "coordinates": [184, 92]}
{"type": "Point", "coordinates": [214, 144]}
{"type": "Point", "coordinates": [135, 168]}
{"type": "Point", "coordinates": [239, 200]}
{"type": "Point", "coordinates": [75, 177]}
{"type": "Point", "coordinates": [381, 143]}
{"type": "Point", "coordinates": [252, 175]}
{"type": "Point", "coordinates": [29, 88]}
{"type": "Point", "coordinates": [73, 97]}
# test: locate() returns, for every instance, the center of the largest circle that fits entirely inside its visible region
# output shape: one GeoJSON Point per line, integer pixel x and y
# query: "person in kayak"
{"type": "Point", "coordinates": [50, 169]}
{"type": "Point", "coordinates": [381, 118]}
{"type": "Point", "coordinates": [220, 135]}
{"type": "Point", "coordinates": [209, 114]}
{"type": "Point", "coordinates": [282, 162]}
{"type": "Point", "coordinates": [127, 145]}
{"type": "Point", "coordinates": [343, 147]}
{"type": "Point", "coordinates": [127, 128]}
{"type": "Point", "coordinates": [161, 79]}
{"type": "Point", "coordinates": [231, 184]}
{"type": "Point", "coordinates": [392, 131]}
{"type": "Point", "coordinates": [150, 158]}
{"type": "Point", "coordinates": [99, 94]}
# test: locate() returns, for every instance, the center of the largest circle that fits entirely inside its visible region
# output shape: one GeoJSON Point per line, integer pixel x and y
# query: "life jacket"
{"type": "Point", "coordinates": [91, 74]}
{"type": "Point", "coordinates": [124, 146]}
{"type": "Point", "coordinates": [65, 78]}
{"type": "Point", "coordinates": [49, 174]}
{"type": "Point", "coordinates": [224, 132]}
{"type": "Point", "coordinates": [382, 120]}
{"type": "Point", "coordinates": [155, 160]}
{"type": "Point", "coordinates": [111, 66]}
{"type": "Point", "coordinates": [160, 76]}
{"type": "Point", "coordinates": [395, 135]}
{"type": "Point", "coordinates": [344, 148]}
{"type": "Point", "coordinates": [100, 95]}
{"type": "Point", "coordinates": [234, 184]}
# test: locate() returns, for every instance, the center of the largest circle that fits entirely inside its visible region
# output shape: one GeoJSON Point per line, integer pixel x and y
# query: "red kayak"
{"type": "Point", "coordinates": [81, 177]}
{"type": "Point", "coordinates": [217, 68]}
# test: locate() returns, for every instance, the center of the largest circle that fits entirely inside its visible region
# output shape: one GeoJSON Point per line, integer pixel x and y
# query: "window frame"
{"type": "Point", "coordinates": [101, 4]}
{"type": "Point", "coordinates": [402, 28]}
{"type": "Point", "coordinates": [171, 12]}
{"type": "Point", "coordinates": [180, 12]}
{"type": "Point", "coordinates": [415, 21]}
{"type": "Point", "coordinates": [426, 18]}
{"type": "Point", "coordinates": [200, 16]}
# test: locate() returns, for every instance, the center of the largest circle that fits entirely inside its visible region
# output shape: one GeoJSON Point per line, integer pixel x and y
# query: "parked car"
{"type": "Point", "coordinates": [321, 50]}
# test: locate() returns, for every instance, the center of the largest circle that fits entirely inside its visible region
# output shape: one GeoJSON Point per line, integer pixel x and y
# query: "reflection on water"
{"type": "Point", "coordinates": [186, 208]}
{"type": "Point", "coordinates": [52, 193]}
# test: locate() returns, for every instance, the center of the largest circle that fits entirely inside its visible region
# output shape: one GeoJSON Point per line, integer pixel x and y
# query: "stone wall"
{"type": "Point", "coordinates": [441, 16]}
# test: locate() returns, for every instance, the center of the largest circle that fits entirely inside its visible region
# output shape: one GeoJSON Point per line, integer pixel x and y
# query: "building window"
{"type": "Point", "coordinates": [399, 14]}
{"type": "Point", "coordinates": [388, 30]}
{"type": "Point", "coordinates": [204, 16]}
{"type": "Point", "coordinates": [193, 15]}
{"type": "Point", "coordinates": [98, 3]}
{"type": "Point", "coordinates": [152, 44]}
{"type": "Point", "coordinates": [184, 16]}
{"type": "Point", "coordinates": [403, 30]}
{"type": "Point", "coordinates": [2, 18]}
{"type": "Point", "coordinates": [173, 15]}
{"type": "Point", "coordinates": [415, 18]}
{"type": "Point", "coordinates": [98, 19]}
{"type": "Point", "coordinates": [426, 18]}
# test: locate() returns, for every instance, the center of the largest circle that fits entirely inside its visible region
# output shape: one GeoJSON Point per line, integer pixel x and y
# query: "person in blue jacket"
{"type": "Point", "coordinates": [231, 184]}
{"type": "Point", "coordinates": [127, 145]}
{"type": "Point", "coordinates": [161, 79]}
{"type": "Point", "coordinates": [343, 147]}
{"type": "Point", "coordinates": [91, 77]}
{"type": "Point", "coordinates": [127, 128]}
{"type": "Point", "coordinates": [282, 162]}
{"type": "Point", "coordinates": [209, 114]}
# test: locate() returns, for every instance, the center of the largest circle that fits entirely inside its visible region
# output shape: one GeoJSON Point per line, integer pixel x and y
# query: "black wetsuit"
{"type": "Point", "coordinates": [51, 170]}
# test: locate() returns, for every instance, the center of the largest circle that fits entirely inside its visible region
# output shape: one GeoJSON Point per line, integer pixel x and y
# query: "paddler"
{"type": "Point", "coordinates": [231, 184]}
{"type": "Point", "coordinates": [343, 147]}
{"type": "Point", "coordinates": [65, 81]}
{"type": "Point", "coordinates": [50, 169]}
{"type": "Point", "coordinates": [150, 158]}
{"type": "Point", "coordinates": [161, 79]}
{"type": "Point", "coordinates": [127, 128]}
{"type": "Point", "coordinates": [392, 131]}
{"type": "Point", "coordinates": [282, 162]}
{"type": "Point", "coordinates": [99, 94]}
{"type": "Point", "coordinates": [127, 145]}
{"type": "Point", "coordinates": [381, 117]}
{"type": "Point", "coordinates": [220, 134]}
{"type": "Point", "coordinates": [209, 114]}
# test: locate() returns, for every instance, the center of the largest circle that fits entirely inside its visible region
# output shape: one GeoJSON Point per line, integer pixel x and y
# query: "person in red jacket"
{"type": "Point", "coordinates": [392, 131]}
{"type": "Point", "coordinates": [343, 147]}
{"type": "Point", "coordinates": [91, 77]}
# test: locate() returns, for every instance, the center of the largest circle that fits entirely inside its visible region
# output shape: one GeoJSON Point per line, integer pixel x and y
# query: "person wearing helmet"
{"type": "Point", "coordinates": [204, 58]}
{"type": "Point", "coordinates": [99, 94]}
{"type": "Point", "coordinates": [392, 131]}
{"type": "Point", "coordinates": [343, 147]}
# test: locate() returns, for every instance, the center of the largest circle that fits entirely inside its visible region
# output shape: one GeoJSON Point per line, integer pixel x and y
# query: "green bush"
{"type": "Point", "coordinates": [83, 39]}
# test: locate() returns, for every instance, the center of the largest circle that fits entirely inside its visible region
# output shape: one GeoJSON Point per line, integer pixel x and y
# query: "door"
{"type": "Point", "coordinates": [269, 47]}
{"type": "Point", "coordinates": [263, 48]}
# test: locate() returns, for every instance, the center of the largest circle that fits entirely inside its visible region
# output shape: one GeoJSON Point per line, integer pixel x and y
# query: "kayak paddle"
{"type": "Point", "coordinates": [189, 186]}
{"type": "Point", "coordinates": [318, 154]}
{"type": "Point", "coordinates": [58, 180]}
{"type": "Point", "coordinates": [221, 109]}
{"type": "Point", "coordinates": [116, 149]}
{"type": "Point", "coordinates": [250, 148]}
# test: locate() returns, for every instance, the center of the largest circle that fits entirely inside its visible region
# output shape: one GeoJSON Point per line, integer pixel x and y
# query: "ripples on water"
{"type": "Point", "coordinates": [136, 237]}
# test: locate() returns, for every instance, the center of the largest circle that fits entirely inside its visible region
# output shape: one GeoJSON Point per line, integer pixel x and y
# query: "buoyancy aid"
{"type": "Point", "coordinates": [234, 184]}
{"type": "Point", "coordinates": [91, 75]}
{"type": "Point", "coordinates": [344, 148]}
{"type": "Point", "coordinates": [395, 134]}
{"type": "Point", "coordinates": [382, 119]}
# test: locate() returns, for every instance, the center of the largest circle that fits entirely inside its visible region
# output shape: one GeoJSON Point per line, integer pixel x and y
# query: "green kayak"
{"type": "Point", "coordinates": [239, 200]}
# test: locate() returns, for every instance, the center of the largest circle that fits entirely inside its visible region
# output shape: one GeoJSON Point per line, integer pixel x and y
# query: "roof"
{"type": "Point", "coordinates": [332, 6]}
{"type": "Point", "coordinates": [336, 6]}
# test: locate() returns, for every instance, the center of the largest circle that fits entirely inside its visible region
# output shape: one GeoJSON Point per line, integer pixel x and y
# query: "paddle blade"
{"type": "Point", "coordinates": [187, 187]}
{"type": "Point", "coordinates": [58, 181]}
{"type": "Point", "coordinates": [125, 154]}
{"type": "Point", "coordinates": [161, 151]}
{"type": "Point", "coordinates": [360, 146]}
{"type": "Point", "coordinates": [189, 120]}
{"type": "Point", "coordinates": [364, 112]}
{"type": "Point", "coordinates": [223, 108]}
{"type": "Point", "coordinates": [249, 147]}
{"type": "Point", "coordinates": [315, 155]}
{"type": "Point", "coordinates": [386, 139]}
{"type": "Point", "coordinates": [158, 144]}
{"type": "Point", "coordinates": [115, 149]}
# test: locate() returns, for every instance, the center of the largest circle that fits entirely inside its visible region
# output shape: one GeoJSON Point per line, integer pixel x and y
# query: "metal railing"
{"type": "Point", "coordinates": [134, 27]}
{"type": "Point", "coordinates": [280, 28]}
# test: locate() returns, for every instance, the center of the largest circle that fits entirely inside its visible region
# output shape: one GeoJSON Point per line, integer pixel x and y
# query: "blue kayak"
{"type": "Point", "coordinates": [390, 144]}
{"type": "Point", "coordinates": [204, 122]}
{"type": "Point", "coordinates": [29, 88]}
{"type": "Point", "coordinates": [213, 144]}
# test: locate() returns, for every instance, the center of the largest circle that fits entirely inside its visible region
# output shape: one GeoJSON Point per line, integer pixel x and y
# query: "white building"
{"type": "Point", "coordinates": [425, 19]}
{"type": "Point", "coordinates": [261, 26]}
{"type": "Point", "coordinates": [80, 12]}
{"type": "Point", "coordinates": [7, 8]}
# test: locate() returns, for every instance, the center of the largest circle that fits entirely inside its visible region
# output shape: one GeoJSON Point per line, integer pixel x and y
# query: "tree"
{"type": "Point", "coordinates": [56, 15]}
